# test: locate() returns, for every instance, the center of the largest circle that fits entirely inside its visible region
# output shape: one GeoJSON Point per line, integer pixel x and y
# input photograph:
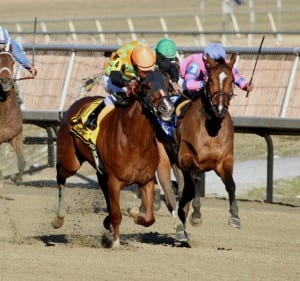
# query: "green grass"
{"type": "Point", "coordinates": [284, 191]}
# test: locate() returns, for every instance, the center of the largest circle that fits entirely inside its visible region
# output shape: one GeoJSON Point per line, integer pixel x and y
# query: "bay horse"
{"type": "Point", "coordinates": [11, 122]}
{"type": "Point", "coordinates": [126, 145]}
{"type": "Point", "coordinates": [205, 138]}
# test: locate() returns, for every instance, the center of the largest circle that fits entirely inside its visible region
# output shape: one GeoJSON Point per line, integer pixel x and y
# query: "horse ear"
{"type": "Point", "coordinates": [210, 63]}
{"type": "Point", "coordinates": [232, 60]}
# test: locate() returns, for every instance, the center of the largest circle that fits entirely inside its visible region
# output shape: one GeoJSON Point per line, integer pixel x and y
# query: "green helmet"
{"type": "Point", "coordinates": [166, 47]}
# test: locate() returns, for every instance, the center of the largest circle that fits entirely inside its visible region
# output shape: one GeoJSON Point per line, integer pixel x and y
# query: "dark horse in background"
{"type": "Point", "coordinates": [127, 147]}
{"type": "Point", "coordinates": [11, 122]}
{"type": "Point", "coordinates": [205, 138]}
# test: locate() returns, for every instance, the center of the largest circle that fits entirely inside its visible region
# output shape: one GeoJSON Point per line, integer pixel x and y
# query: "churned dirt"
{"type": "Point", "coordinates": [267, 247]}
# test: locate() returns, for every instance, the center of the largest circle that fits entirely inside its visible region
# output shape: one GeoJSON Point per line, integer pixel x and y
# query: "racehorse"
{"type": "Point", "coordinates": [126, 145]}
{"type": "Point", "coordinates": [205, 138]}
{"type": "Point", "coordinates": [11, 122]}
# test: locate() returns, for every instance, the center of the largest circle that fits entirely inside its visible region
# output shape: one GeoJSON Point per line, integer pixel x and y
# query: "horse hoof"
{"type": "Point", "coordinates": [17, 179]}
{"type": "Point", "coordinates": [57, 222]}
{"type": "Point", "coordinates": [133, 211]}
{"type": "Point", "coordinates": [235, 222]}
{"type": "Point", "coordinates": [106, 240]}
{"type": "Point", "coordinates": [196, 219]}
{"type": "Point", "coordinates": [181, 235]}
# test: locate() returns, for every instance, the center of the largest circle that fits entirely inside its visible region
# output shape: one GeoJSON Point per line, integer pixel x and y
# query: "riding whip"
{"type": "Point", "coordinates": [258, 53]}
{"type": "Point", "coordinates": [33, 42]}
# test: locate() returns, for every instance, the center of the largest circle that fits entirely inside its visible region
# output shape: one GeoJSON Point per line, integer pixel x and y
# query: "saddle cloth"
{"type": "Point", "coordinates": [85, 134]}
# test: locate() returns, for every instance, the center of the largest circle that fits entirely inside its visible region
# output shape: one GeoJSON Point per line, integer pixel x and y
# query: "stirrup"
{"type": "Point", "coordinates": [91, 123]}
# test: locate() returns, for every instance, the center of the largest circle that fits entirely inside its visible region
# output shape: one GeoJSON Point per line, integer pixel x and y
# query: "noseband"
{"type": "Point", "coordinates": [219, 109]}
{"type": "Point", "coordinates": [156, 98]}
{"type": "Point", "coordinates": [219, 100]}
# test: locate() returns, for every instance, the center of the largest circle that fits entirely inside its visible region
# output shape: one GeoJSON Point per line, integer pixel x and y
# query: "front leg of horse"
{"type": "Point", "coordinates": [61, 209]}
{"type": "Point", "coordinates": [196, 217]}
{"type": "Point", "coordinates": [234, 219]}
{"type": "Point", "coordinates": [17, 144]}
{"type": "Point", "coordinates": [183, 208]}
{"type": "Point", "coordinates": [147, 195]}
{"type": "Point", "coordinates": [164, 177]}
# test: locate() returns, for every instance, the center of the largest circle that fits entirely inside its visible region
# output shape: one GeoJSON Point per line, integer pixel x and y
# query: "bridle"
{"type": "Point", "coordinates": [6, 77]}
{"type": "Point", "coordinates": [218, 101]}
{"type": "Point", "coordinates": [160, 105]}
{"type": "Point", "coordinates": [222, 108]}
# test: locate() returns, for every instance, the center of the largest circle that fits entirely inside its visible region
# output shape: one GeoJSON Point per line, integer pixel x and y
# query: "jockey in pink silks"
{"type": "Point", "coordinates": [194, 73]}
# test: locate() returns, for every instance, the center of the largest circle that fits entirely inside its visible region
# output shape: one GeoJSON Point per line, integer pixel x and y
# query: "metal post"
{"type": "Point", "coordinates": [270, 167]}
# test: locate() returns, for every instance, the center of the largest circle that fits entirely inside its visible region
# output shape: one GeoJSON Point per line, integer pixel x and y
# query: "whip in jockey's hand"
{"type": "Point", "coordinates": [32, 70]}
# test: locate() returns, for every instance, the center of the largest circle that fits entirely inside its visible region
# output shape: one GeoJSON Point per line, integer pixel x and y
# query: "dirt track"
{"type": "Point", "coordinates": [267, 247]}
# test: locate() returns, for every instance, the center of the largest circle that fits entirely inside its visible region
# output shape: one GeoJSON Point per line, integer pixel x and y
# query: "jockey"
{"type": "Point", "coordinates": [18, 54]}
{"type": "Point", "coordinates": [167, 62]}
{"type": "Point", "coordinates": [17, 51]}
{"type": "Point", "coordinates": [193, 69]}
{"type": "Point", "coordinates": [132, 61]}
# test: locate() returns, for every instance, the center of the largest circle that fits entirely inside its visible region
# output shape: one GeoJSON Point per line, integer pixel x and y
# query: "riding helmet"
{"type": "Point", "coordinates": [4, 36]}
{"type": "Point", "coordinates": [143, 57]}
{"type": "Point", "coordinates": [215, 51]}
{"type": "Point", "coordinates": [166, 47]}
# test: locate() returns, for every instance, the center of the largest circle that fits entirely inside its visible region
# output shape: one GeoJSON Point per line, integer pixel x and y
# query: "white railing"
{"type": "Point", "coordinates": [231, 28]}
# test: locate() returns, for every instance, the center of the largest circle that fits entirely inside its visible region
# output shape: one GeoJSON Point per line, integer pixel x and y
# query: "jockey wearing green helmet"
{"type": "Point", "coordinates": [167, 62]}
{"type": "Point", "coordinates": [167, 48]}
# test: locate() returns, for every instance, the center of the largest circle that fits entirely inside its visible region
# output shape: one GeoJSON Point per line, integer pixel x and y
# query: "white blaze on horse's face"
{"type": "Point", "coordinates": [222, 77]}
{"type": "Point", "coordinates": [165, 107]}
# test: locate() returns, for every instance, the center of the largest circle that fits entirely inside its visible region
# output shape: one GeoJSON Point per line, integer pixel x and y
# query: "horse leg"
{"type": "Point", "coordinates": [164, 177]}
{"type": "Point", "coordinates": [102, 180]}
{"type": "Point", "coordinates": [183, 208]}
{"type": "Point", "coordinates": [61, 175]}
{"type": "Point", "coordinates": [147, 195]}
{"type": "Point", "coordinates": [179, 178]}
{"type": "Point", "coordinates": [115, 214]}
{"type": "Point", "coordinates": [196, 217]}
{"type": "Point", "coordinates": [226, 176]}
{"type": "Point", "coordinates": [17, 144]}
{"type": "Point", "coordinates": [61, 208]}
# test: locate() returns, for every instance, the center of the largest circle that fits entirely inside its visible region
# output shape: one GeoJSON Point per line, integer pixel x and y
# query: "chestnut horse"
{"type": "Point", "coordinates": [126, 145]}
{"type": "Point", "coordinates": [205, 137]}
{"type": "Point", "coordinates": [11, 122]}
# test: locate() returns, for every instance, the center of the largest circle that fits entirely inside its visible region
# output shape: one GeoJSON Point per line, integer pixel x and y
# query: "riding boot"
{"type": "Point", "coordinates": [91, 121]}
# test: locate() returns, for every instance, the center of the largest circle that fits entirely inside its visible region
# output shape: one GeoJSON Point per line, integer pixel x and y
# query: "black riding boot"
{"type": "Point", "coordinates": [91, 121]}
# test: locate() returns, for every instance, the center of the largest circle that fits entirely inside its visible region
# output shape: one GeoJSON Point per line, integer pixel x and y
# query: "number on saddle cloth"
{"type": "Point", "coordinates": [86, 135]}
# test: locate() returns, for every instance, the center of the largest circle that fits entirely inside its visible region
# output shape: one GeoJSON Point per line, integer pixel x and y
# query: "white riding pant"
{"type": "Point", "coordinates": [110, 88]}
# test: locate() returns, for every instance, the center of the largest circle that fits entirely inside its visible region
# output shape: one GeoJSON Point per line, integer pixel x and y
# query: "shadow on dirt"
{"type": "Point", "coordinates": [95, 241]}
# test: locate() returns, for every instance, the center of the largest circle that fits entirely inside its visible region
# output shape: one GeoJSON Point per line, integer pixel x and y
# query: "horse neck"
{"type": "Point", "coordinates": [9, 107]}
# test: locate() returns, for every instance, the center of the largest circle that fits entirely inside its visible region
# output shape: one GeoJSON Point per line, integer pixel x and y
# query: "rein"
{"type": "Point", "coordinates": [23, 78]}
{"type": "Point", "coordinates": [164, 106]}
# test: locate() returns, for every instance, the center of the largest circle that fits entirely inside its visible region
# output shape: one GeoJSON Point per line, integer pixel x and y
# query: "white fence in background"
{"type": "Point", "coordinates": [228, 25]}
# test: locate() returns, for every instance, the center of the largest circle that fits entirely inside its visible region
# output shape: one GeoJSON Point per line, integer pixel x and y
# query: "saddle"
{"type": "Point", "coordinates": [87, 135]}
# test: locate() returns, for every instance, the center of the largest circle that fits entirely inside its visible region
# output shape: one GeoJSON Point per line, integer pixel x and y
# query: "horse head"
{"type": "Point", "coordinates": [6, 73]}
{"type": "Point", "coordinates": [219, 85]}
{"type": "Point", "coordinates": [153, 91]}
